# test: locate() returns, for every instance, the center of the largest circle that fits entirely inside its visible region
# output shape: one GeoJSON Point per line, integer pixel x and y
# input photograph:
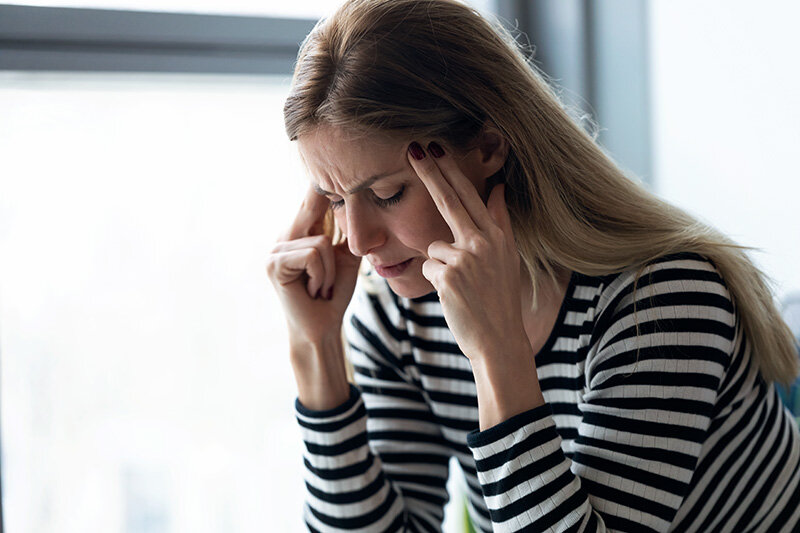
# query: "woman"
{"type": "Point", "coordinates": [594, 358]}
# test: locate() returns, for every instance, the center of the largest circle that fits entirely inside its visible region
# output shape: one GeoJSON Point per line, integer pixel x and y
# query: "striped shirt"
{"type": "Point", "coordinates": [670, 429]}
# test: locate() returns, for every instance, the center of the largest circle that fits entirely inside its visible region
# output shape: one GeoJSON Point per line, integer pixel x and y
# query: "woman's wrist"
{"type": "Point", "coordinates": [506, 386]}
{"type": "Point", "coordinates": [320, 372]}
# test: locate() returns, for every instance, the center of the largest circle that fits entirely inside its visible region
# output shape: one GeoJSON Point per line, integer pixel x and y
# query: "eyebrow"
{"type": "Point", "coordinates": [363, 185]}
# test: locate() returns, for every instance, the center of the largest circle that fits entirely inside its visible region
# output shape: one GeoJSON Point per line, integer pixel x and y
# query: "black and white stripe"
{"type": "Point", "coordinates": [656, 419]}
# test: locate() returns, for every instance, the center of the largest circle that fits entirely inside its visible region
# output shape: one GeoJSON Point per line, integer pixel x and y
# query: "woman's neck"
{"type": "Point", "coordinates": [539, 323]}
{"type": "Point", "coordinates": [549, 294]}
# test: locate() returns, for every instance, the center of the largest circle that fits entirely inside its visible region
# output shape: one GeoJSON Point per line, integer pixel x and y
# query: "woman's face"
{"type": "Point", "coordinates": [388, 220]}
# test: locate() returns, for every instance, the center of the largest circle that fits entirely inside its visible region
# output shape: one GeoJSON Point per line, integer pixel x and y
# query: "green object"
{"type": "Point", "coordinates": [468, 528]}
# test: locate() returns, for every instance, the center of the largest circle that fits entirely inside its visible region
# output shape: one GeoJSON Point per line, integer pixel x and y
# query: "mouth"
{"type": "Point", "coordinates": [392, 271]}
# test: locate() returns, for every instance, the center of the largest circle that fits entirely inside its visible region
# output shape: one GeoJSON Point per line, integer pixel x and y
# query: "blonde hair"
{"type": "Point", "coordinates": [410, 69]}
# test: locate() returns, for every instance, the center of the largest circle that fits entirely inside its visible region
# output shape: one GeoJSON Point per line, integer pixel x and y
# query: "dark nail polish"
{"type": "Point", "coordinates": [416, 151]}
{"type": "Point", "coordinates": [316, 296]}
{"type": "Point", "coordinates": [330, 293]}
{"type": "Point", "coordinates": [435, 149]}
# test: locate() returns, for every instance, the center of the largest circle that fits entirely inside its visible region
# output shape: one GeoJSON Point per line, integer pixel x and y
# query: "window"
{"type": "Point", "coordinates": [146, 383]}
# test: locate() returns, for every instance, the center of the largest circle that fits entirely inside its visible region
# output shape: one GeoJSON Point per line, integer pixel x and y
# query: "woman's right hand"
{"type": "Point", "coordinates": [305, 267]}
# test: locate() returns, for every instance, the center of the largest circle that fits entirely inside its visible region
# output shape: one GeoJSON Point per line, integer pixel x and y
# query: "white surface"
{"type": "Point", "coordinates": [726, 137]}
{"type": "Point", "coordinates": [146, 385]}
{"type": "Point", "coordinates": [145, 382]}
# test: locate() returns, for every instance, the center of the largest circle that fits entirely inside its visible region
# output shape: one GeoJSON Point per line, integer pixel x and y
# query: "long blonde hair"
{"type": "Point", "coordinates": [409, 69]}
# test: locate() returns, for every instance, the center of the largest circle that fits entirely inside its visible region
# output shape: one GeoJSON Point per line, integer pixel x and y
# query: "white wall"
{"type": "Point", "coordinates": [726, 84]}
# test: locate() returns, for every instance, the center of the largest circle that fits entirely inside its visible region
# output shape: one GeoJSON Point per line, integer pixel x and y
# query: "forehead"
{"type": "Point", "coordinates": [338, 160]}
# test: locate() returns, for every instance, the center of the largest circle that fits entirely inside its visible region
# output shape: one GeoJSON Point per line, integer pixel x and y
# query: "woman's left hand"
{"type": "Point", "coordinates": [477, 277]}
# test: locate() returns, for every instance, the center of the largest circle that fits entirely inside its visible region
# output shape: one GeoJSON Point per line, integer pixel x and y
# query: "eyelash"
{"type": "Point", "coordinates": [382, 202]}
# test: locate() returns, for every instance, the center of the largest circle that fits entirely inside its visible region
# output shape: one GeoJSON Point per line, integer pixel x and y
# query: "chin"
{"type": "Point", "coordinates": [411, 288]}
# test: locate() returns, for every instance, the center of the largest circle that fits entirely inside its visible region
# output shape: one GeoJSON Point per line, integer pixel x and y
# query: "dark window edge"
{"type": "Point", "coordinates": [77, 39]}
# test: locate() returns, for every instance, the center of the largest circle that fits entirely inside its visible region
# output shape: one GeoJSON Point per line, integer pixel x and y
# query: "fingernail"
{"type": "Point", "coordinates": [316, 296]}
{"type": "Point", "coordinates": [416, 151]}
{"type": "Point", "coordinates": [330, 293]}
{"type": "Point", "coordinates": [435, 149]}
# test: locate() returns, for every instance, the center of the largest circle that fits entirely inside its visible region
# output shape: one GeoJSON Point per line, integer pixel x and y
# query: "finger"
{"type": "Point", "coordinates": [465, 189]}
{"type": "Point", "coordinates": [444, 196]}
{"type": "Point", "coordinates": [443, 252]}
{"type": "Point", "coordinates": [433, 270]}
{"type": "Point", "coordinates": [323, 244]}
{"type": "Point", "coordinates": [310, 215]}
{"type": "Point", "coordinates": [290, 266]}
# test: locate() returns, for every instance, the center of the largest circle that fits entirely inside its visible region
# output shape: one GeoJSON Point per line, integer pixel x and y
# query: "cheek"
{"type": "Point", "coordinates": [431, 219]}
{"type": "Point", "coordinates": [420, 224]}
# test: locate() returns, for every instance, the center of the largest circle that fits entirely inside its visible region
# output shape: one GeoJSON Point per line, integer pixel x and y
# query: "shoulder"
{"type": "Point", "coordinates": [675, 294]}
{"type": "Point", "coordinates": [672, 318]}
{"type": "Point", "coordinates": [676, 279]}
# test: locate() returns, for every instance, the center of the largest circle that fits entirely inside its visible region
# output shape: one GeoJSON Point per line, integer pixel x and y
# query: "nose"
{"type": "Point", "coordinates": [364, 230]}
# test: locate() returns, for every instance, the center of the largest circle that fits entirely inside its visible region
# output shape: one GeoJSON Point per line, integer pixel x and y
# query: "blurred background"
{"type": "Point", "coordinates": [145, 175]}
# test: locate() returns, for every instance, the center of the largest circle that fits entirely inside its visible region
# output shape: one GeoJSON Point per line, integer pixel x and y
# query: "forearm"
{"type": "Point", "coordinates": [354, 482]}
{"type": "Point", "coordinates": [320, 372]}
{"type": "Point", "coordinates": [507, 385]}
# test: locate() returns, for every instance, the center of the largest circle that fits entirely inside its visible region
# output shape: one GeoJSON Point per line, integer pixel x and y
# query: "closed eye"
{"type": "Point", "coordinates": [380, 202]}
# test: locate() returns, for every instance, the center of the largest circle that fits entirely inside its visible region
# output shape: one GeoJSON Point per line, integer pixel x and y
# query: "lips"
{"type": "Point", "coordinates": [392, 271]}
{"type": "Point", "coordinates": [387, 265]}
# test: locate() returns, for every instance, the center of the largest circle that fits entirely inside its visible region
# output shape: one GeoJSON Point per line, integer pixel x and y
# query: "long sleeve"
{"type": "Point", "coordinates": [378, 462]}
{"type": "Point", "coordinates": [652, 374]}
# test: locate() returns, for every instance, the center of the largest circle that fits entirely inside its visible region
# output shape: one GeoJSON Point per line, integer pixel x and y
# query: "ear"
{"type": "Point", "coordinates": [487, 159]}
{"type": "Point", "coordinates": [492, 148]}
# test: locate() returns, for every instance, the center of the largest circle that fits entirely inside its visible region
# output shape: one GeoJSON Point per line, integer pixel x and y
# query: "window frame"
{"type": "Point", "coordinates": [78, 39]}
{"type": "Point", "coordinates": [598, 53]}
